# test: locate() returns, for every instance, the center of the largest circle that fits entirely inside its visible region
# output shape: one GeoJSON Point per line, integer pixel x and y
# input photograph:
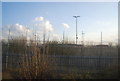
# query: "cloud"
{"type": "Point", "coordinates": [15, 30]}
{"type": "Point", "coordinates": [65, 25]}
{"type": "Point", "coordinates": [20, 28]}
{"type": "Point", "coordinates": [45, 26]}
{"type": "Point", "coordinates": [48, 26]}
{"type": "Point", "coordinates": [39, 19]}
{"type": "Point", "coordinates": [39, 29]}
{"type": "Point", "coordinates": [55, 37]}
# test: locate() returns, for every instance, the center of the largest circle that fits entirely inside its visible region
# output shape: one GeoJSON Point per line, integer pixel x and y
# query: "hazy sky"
{"type": "Point", "coordinates": [56, 17]}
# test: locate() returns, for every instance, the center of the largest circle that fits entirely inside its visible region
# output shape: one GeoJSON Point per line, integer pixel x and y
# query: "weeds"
{"type": "Point", "coordinates": [34, 61]}
{"type": "Point", "coordinates": [36, 65]}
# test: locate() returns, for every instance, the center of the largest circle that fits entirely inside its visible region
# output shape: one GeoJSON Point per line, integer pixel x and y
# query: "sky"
{"type": "Point", "coordinates": [56, 17]}
{"type": "Point", "coordinates": [0, 14]}
{"type": "Point", "coordinates": [60, 0]}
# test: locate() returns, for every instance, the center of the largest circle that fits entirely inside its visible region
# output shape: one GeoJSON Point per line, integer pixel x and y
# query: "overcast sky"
{"type": "Point", "coordinates": [56, 17]}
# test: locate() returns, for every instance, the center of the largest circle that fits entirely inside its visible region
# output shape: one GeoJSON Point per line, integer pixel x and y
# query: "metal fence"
{"type": "Point", "coordinates": [83, 64]}
{"type": "Point", "coordinates": [87, 59]}
{"type": "Point", "coordinates": [70, 64]}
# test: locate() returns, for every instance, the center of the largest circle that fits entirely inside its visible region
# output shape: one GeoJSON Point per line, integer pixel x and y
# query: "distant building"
{"type": "Point", "coordinates": [70, 45]}
{"type": "Point", "coordinates": [102, 45]}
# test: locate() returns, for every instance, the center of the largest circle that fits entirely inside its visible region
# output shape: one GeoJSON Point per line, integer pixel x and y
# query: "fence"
{"type": "Point", "coordinates": [83, 64]}
{"type": "Point", "coordinates": [71, 64]}
{"type": "Point", "coordinates": [78, 60]}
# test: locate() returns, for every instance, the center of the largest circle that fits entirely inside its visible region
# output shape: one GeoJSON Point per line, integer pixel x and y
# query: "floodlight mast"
{"type": "Point", "coordinates": [76, 27]}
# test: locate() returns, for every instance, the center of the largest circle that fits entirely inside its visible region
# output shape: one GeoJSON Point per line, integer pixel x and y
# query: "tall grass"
{"type": "Point", "coordinates": [35, 64]}
{"type": "Point", "coordinates": [32, 62]}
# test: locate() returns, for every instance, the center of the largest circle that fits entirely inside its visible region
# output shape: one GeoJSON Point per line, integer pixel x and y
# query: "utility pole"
{"type": "Point", "coordinates": [48, 36]}
{"type": "Point", "coordinates": [83, 38]}
{"type": "Point", "coordinates": [101, 45]}
{"type": "Point", "coordinates": [76, 27]}
{"type": "Point", "coordinates": [8, 50]}
{"type": "Point", "coordinates": [27, 31]}
{"type": "Point", "coordinates": [44, 38]}
{"type": "Point", "coordinates": [34, 35]}
{"type": "Point", "coordinates": [101, 38]}
{"type": "Point", "coordinates": [100, 68]}
{"type": "Point", "coordinates": [63, 36]}
{"type": "Point", "coordinates": [27, 34]}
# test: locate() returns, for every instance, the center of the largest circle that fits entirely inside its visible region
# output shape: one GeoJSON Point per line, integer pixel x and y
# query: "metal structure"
{"type": "Point", "coordinates": [63, 36]}
{"type": "Point", "coordinates": [76, 27]}
{"type": "Point", "coordinates": [8, 50]}
{"type": "Point", "coordinates": [83, 38]}
{"type": "Point", "coordinates": [101, 45]}
{"type": "Point", "coordinates": [99, 62]}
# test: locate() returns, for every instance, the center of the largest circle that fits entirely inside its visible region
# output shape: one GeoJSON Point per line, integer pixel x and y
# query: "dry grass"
{"type": "Point", "coordinates": [37, 65]}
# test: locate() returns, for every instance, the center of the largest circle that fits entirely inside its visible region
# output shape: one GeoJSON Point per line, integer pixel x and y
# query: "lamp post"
{"type": "Point", "coordinates": [76, 27]}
